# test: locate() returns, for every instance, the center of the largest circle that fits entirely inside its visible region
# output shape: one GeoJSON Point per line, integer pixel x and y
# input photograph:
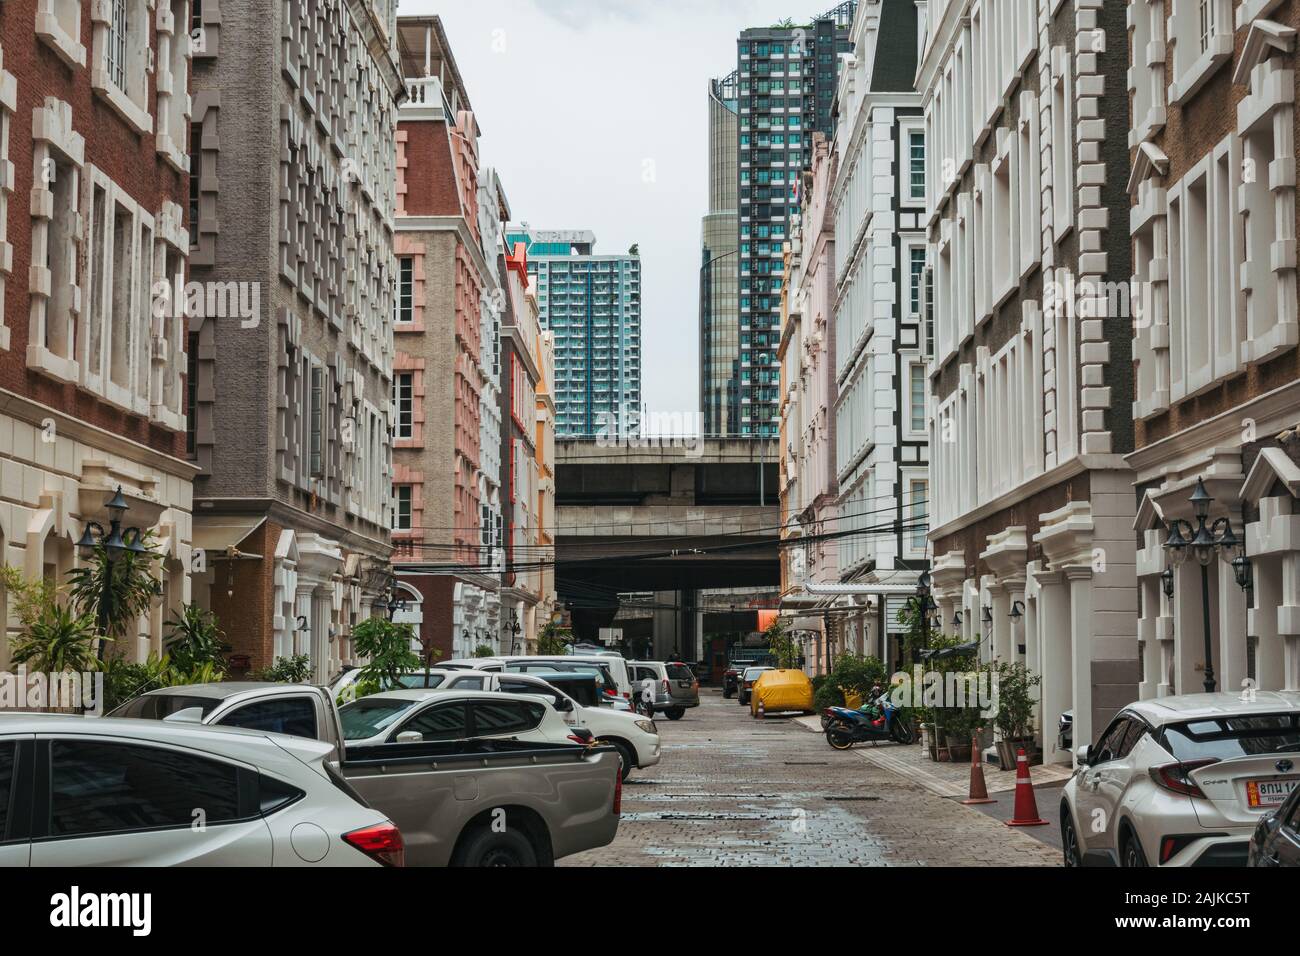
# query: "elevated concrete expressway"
{"type": "Point", "coordinates": [669, 517]}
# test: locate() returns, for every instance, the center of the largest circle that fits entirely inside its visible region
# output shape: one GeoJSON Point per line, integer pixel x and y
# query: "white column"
{"type": "Point", "coordinates": [1054, 624]}
{"type": "Point", "coordinates": [1269, 664]}
{"type": "Point", "coordinates": [1189, 639]}
{"type": "Point", "coordinates": [1288, 620]}
{"type": "Point", "coordinates": [1230, 669]}
{"type": "Point", "coordinates": [1148, 642]}
{"type": "Point", "coordinates": [1080, 583]}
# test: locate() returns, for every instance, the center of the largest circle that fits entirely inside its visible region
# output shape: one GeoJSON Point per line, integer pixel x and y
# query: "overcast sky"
{"type": "Point", "coordinates": [595, 114]}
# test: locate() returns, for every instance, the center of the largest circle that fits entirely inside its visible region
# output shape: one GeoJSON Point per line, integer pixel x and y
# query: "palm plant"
{"type": "Point", "coordinates": [195, 640]}
{"type": "Point", "coordinates": [115, 589]}
{"type": "Point", "coordinates": [56, 639]}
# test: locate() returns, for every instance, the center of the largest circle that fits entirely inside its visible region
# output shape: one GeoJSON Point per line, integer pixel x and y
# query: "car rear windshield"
{"type": "Point", "coordinates": [679, 672]}
{"type": "Point", "coordinates": [369, 717]}
{"type": "Point", "coordinates": [1227, 737]}
{"type": "Point", "coordinates": [158, 706]}
{"type": "Point", "coordinates": [755, 671]}
{"type": "Point", "coordinates": [420, 679]}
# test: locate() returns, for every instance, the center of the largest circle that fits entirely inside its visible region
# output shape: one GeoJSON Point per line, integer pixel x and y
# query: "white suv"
{"type": "Point", "coordinates": [1182, 781]}
{"type": "Point", "coordinates": [113, 792]}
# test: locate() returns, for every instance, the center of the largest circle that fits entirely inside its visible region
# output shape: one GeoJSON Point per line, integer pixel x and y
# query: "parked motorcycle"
{"type": "Point", "coordinates": [879, 720]}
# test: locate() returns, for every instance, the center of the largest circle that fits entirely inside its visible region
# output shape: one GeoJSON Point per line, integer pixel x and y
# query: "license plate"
{"type": "Point", "coordinates": [1268, 793]}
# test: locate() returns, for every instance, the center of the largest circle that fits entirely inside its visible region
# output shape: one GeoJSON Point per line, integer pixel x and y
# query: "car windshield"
{"type": "Point", "coordinates": [679, 672]}
{"type": "Point", "coordinates": [1227, 737]}
{"type": "Point", "coordinates": [158, 706]}
{"type": "Point", "coordinates": [370, 716]}
{"type": "Point", "coordinates": [755, 671]}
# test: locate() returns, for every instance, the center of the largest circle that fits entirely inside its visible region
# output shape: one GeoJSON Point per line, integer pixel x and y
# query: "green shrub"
{"type": "Point", "coordinates": [286, 670]}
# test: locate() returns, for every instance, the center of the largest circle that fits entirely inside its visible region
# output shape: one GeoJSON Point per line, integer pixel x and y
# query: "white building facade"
{"type": "Point", "coordinates": [881, 342]}
{"type": "Point", "coordinates": [1031, 502]}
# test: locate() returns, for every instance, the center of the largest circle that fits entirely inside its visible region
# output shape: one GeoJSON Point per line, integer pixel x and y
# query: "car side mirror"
{"type": "Point", "coordinates": [410, 737]}
{"type": "Point", "coordinates": [1083, 754]}
{"type": "Point", "coordinates": [564, 705]}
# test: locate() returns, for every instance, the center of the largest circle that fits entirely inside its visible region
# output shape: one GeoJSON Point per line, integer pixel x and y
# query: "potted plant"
{"type": "Point", "coordinates": [1014, 720]}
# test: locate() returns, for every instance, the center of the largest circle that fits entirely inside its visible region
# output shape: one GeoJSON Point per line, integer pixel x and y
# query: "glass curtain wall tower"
{"type": "Point", "coordinates": [786, 87]}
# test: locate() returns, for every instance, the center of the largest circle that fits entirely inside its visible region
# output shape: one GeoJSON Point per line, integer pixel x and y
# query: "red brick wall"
{"type": "Point", "coordinates": [246, 616]}
{"type": "Point", "coordinates": [129, 159]}
{"type": "Point", "coordinates": [430, 175]}
{"type": "Point", "coordinates": [438, 592]}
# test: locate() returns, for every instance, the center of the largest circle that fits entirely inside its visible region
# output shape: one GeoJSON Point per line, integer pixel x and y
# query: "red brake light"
{"type": "Point", "coordinates": [382, 842]}
{"type": "Point", "coordinates": [1176, 777]}
{"type": "Point", "coordinates": [666, 685]}
{"type": "Point", "coordinates": [618, 794]}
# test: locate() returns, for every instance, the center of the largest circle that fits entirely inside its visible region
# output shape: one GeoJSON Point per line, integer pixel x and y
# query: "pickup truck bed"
{"type": "Point", "coordinates": [560, 798]}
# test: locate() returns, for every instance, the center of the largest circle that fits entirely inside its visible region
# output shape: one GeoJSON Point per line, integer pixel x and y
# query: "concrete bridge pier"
{"type": "Point", "coordinates": [677, 625]}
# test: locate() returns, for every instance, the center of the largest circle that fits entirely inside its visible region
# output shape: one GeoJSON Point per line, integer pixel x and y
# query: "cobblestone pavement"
{"type": "Point", "coordinates": [731, 791]}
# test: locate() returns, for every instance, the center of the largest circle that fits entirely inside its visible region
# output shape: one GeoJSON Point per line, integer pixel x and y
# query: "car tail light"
{"type": "Point", "coordinates": [1176, 777]}
{"type": "Point", "coordinates": [382, 842]}
{"type": "Point", "coordinates": [667, 686]}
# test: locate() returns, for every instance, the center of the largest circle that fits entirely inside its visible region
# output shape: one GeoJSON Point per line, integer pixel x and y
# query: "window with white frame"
{"type": "Point", "coordinates": [916, 387]}
{"type": "Point", "coordinates": [405, 290]}
{"type": "Point", "coordinates": [915, 278]}
{"type": "Point", "coordinates": [1062, 142]}
{"type": "Point", "coordinates": [118, 312]}
{"type": "Point", "coordinates": [58, 24]}
{"type": "Point", "coordinates": [401, 509]}
{"type": "Point", "coordinates": [1029, 184]}
{"type": "Point", "coordinates": [918, 493]}
{"type": "Point", "coordinates": [915, 164]}
{"type": "Point", "coordinates": [8, 104]}
{"type": "Point", "coordinates": [57, 151]}
{"type": "Point", "coordinates": [1146, 77]}
{"type": "Point", "coordinates": [1002, 208]}
{"type": "Point", "coordinates": [121, 57]}
{"type": "Point", "coordinates": [404, 405]}
{"type": "Point", "coordinates": [1201, 34]}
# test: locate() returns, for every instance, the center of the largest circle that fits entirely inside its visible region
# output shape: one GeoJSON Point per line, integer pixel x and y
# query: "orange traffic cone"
{"type": "Point", "coordinates": [979, 793]}
{"type": "Point", "coordinates": [1026, 806]}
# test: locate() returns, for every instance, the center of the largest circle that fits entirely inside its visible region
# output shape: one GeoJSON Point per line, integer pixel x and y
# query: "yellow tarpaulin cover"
{"type": "Point", "coordinates": [782, 690]}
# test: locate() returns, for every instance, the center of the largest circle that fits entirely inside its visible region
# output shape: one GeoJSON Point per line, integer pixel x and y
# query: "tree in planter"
{"type": "Point", "coordinates": [386, 645]}
{"type": "Point", "coordinates": [115, 589]}
{"type": "Point", "coordinates": [484, 650]}
{"type": "Point", "coordinates": [195, 643]}
{"type": "Point", "coordinates": [1014, 720]}
{"type": "Point", "coordinates": [553, 640]}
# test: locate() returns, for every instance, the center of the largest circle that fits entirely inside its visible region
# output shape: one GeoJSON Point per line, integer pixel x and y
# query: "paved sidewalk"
{"type": "Point", "coordinates": [943, 779]}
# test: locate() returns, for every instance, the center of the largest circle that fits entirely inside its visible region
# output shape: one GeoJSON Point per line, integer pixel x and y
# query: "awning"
{"type": "Point", "coordinates": [215, 533]}
{"type": "Point", "coordinates": [805, 624]}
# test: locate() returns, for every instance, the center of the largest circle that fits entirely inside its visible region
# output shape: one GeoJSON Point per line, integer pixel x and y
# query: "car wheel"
{"type": "Point", "coordinates": [675, 713]}
{"type": "Point", "coordinates": [626, 756]}
{"type": "Point", "coordinates": [1131, 855]}
{"type": "Point", "coordinates": [484, 847]}
{"type": "Point", "coordinates": [1069, 840]}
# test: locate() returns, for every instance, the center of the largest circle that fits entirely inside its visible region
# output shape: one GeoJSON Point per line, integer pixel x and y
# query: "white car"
{"type": "Point", "coordinates": [615, 664]}
{"type": "Point", "coordinates": [413, 716]}
{"type": "Point", "coordinates": [1181, 781]}
{"type": "Point", "coordinates": [159, 793]}
{"type": "Point", "coordinates": [344, 687]}
{"type": "Point", "coordinates": [636, 738]}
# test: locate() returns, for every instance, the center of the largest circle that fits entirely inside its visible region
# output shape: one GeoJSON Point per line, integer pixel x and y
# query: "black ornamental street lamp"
{"type": "Point", "coordinates": [956, 619]}
{"type": "Point", "coordinates": [1204, 542]}
{"type": "Point", "coordinates": [1017, 612]}
{"type": "Point", "coordinates": [513, 630]}
{"type": "Point", "coordinates": [115, 542]}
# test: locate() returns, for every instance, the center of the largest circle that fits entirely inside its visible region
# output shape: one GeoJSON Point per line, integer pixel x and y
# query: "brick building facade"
{"type": "Point", "coordinates": [93, 187]}
{"type": "Point", "coordinates": [1213, 143]}
{"type": "Point", "coordinates": [292, 202]}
